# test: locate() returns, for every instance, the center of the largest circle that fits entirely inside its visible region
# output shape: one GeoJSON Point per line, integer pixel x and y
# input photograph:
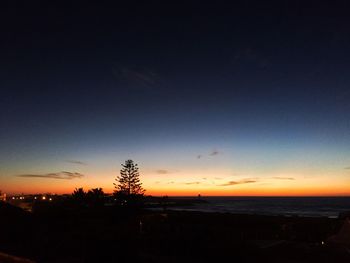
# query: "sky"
{"type": "Point", "coordinates": [241, 98]}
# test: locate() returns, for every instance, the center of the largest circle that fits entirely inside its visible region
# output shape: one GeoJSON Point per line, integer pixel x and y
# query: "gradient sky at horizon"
{"type": "Point", "coordinates": [247, 98]}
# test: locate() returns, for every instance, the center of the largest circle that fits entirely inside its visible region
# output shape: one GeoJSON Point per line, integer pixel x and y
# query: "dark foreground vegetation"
{"type": "Point", "coordinates": [57, 232]}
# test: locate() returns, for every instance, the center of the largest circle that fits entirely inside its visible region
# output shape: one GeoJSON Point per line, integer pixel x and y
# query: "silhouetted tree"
{"type": "Point", "coordinates": [79, 195]}
{"type": "Point", "coordinates": [128, 183]}
{"type": "Point", "coordinates": [95, 197]}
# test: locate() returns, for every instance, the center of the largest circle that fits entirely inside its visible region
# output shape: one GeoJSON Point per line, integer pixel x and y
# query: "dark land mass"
{"type": "Point", "coordinates": [63, 233]}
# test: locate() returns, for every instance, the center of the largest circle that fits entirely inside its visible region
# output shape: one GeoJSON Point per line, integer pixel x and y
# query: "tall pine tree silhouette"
{"type": "Point", "coordinates": [128, 183]}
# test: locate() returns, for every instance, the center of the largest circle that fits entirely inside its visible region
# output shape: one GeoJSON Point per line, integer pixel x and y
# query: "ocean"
{"type": "Point", "coordinates": [287, 206]}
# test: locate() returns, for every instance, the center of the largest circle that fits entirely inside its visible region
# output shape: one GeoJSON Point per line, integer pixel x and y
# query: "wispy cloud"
{"type": "Point", "coordinates": [162, 171]}
{"type": "Point", "coordinates": [283, 178]}
{"type": "Point", "coordinates": [76, 162]}
{"type": "Point", "coordinates": [140, 78]}
{"type": "Point", "coordinates": [214, 152]}
{"type": "Point", "coordinates": [347, 168]}
{"type": "Point", "coordinates": [190, 183]}
{"type": "Point", "coordinates": [60, 175]}
{"type": "Point", "coordinates": [245, 181]}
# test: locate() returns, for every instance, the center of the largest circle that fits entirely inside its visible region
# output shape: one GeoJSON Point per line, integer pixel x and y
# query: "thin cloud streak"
{"type": "Point", "coordinates": [162, 171]}
{"type": "Point", "coordinates": [137, 78]}
{"type": "Point", "coordinates": [76, 162]}
{"type": "Point", "coordinates": [246, 181]}
{"type": "Point", "coordinates": [190, 183]}
{"type": "Point", "coordinates": [283, 178]}
{"type": "Point", "coordinates": [60, 175]}
{"type": "Point", "coordinates": [212, 153]}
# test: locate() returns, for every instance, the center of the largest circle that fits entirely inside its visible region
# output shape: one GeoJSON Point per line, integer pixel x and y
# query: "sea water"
{"type": "Point", "coordinates": [287, 206]}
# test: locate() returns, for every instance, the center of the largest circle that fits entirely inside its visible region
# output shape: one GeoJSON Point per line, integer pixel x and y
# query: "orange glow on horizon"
{"type": "Point", "coordinates": [251, 192]}
{"type": "Point", "coordinates": [196, 182]}
{"type": "Point", "coordinates": [232, 191]}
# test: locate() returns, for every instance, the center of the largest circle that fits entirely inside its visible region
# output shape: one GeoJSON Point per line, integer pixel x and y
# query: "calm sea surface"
{"type": "Point", "coordinates": [288, 206]}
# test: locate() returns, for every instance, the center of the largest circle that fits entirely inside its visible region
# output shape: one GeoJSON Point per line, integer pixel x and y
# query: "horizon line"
{"type": "Point", "coordinates": [191, 196]}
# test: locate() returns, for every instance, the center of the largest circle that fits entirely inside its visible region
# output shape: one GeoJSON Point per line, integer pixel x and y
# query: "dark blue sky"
{"type": "Point", "coordinates": [79, 78]}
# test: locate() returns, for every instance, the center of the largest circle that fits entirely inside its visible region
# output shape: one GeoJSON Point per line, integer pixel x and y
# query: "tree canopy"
{"type": "Point", "coordinates": [128, 182]}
